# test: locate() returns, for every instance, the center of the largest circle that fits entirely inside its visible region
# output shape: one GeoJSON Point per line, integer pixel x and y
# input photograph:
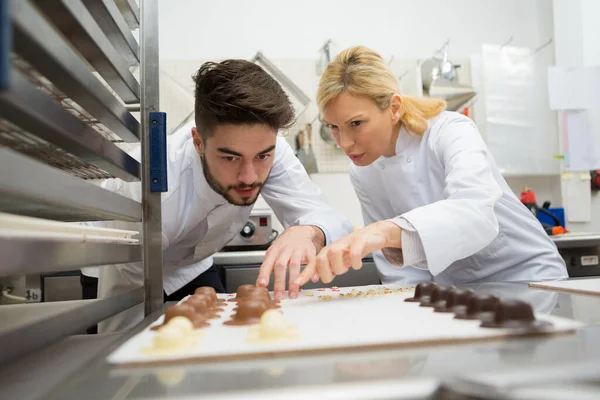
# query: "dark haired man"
{"type": "Point", "coordinates": [217, 167]}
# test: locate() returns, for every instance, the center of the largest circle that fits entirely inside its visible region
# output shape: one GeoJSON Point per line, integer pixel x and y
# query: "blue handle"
{"type": "Point", "coordinates": [5, 44]}
{"type": "Point", "coordinates": [158, 152]}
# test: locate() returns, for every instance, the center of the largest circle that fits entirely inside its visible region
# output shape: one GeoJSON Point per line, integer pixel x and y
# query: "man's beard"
{"type": "Point", "coordinates": [226, 191]}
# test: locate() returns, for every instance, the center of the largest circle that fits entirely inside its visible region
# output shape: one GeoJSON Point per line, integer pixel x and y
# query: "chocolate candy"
{"type": "Point", "coordinates": [184, 310]}
{"type": "Point", "coordinates": [422, 292]}
{"type": "Point", "coordinates": [211, 293]}
{"type": "Point", "coordinates": [455, 300]}
{"type": "Point", "coordinates": [242, 291]}
{"type": "Point", "coordinates": [259, 293]}
{"type": "Point", "coordinates": [248, 312]}
{"type": "Point", "coordinates": [479, 306]}
{"type": "Point", "coordinates": [203, 306]}
{"type": "Point", "coordinates": [438, 295]}
{"type": "Point", "coordinates": [514, 314]}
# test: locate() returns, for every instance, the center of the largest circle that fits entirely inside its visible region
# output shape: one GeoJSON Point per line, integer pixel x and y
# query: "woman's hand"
{"type": "Point", "coordinates": [349, 251]}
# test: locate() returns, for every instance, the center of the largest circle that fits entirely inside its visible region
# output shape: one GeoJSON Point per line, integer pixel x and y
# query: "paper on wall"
{"type": "Point", "coordinates": [577, 196]}
{"type": "Point", "coordinates": [574, 88]}
{"type": "Point", "coordinates": [581, 135]}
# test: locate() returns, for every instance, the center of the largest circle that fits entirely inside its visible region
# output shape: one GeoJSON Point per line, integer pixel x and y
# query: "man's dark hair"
{"type": "Point", "coordinates": [239, 92]}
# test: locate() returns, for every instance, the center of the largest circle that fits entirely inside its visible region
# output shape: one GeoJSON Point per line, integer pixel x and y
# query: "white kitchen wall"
{"type": "Point", "coordinates": [197, 29]}
{"type": "Point", "coordinates": [407, 30]}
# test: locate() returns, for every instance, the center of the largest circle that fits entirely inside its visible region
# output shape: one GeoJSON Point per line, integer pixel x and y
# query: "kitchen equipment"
{"type": "Point", "coordinates": [324, 57]}
{"type": "Point", "coordinates": [240, 268]}
{"type": "Point", "coordinates": [257, 233]}
{"type": "Point", "coordinates": [301, 153]}
{"type": "Point", "coordinates": [293, 90]}
{"type": "Point", "coordinates": [581, 252]}
{"type": "Point", "coordinates": [440, 79]}
{"type": "Point", "coordinates": [325, 134]}
{"type": "Point", "coordinates": [439, 67]}
{"type": "Point", "coordinates": [543, 214]}
{"type": "Point", "coordinates": [310, 163]}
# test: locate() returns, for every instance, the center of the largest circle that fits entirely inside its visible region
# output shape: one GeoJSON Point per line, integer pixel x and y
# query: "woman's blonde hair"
{"type": "Point", "coordinates": [360, 71]}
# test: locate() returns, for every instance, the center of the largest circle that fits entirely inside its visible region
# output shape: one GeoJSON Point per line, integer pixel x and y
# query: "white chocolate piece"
{"type": "Point", "coordinates": [169, 337]}
{"type": "Point", "coordinates": [181, 323]}
{"type": "Point", "coordinates": [177, 335]}
{"type": "Point", "coordinates": [272, 324]}
{"type": "Point", "coordinates": [272, 327]}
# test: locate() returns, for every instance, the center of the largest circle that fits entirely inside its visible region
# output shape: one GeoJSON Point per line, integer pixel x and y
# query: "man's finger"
{"type": "Point", "coordinates": [279, 272]}
{"type": "Point", "coordinates": [266, 268]}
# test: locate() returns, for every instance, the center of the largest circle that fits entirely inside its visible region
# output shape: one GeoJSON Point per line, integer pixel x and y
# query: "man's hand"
{"type": "Point", "coordinates": [349, 251]}
{"type": "Point", "coordinates": [297, 245]}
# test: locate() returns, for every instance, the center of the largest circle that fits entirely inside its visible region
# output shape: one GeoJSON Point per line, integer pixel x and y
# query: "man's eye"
{"type": "Point", "coordinates": [332, 127]}
{"type": "Point", "coordinates": [355, 123]}
{"type": "Point", "coordinates": [264, 157]}
{"type": "Point", "coordinates": [229, 158]}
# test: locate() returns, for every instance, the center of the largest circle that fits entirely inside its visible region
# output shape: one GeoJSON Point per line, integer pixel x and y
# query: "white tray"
{"type": "Point", "coordinates": [582, 286]}
{"type": "Point", "coordinates": [332, 325]}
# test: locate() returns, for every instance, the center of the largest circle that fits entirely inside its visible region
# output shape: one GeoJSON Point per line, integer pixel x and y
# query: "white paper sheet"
{"type": "Point", "coordinates": [577, 195]}
{"type": "Point", "coordinates": [574, 88]}
{"type": "Point", "coordinates": [581, 137]}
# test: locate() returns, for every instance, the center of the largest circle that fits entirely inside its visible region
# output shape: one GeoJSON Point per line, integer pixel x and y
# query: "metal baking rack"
{"type": "Point", "coordinates": [69, 97]}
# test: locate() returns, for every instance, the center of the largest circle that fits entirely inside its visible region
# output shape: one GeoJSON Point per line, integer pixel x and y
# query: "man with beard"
{"type": "Point", "coordinates": [217, 167]}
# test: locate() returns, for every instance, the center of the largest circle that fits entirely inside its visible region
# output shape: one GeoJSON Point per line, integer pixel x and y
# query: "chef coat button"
{"type": "Point", "coordinates": [408, 159]}
{"type": "Point", "coordinates": [382, 166]}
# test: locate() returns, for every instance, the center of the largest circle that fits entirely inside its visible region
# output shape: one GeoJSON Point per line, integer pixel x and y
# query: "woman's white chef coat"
{"type": "Point", "coordinates": [461, 221]}
{"type": "Point", "coordinates": [197, 222]}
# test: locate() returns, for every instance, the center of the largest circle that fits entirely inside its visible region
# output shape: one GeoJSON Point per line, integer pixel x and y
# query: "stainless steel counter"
{"type": "Point", "coordinates": [571, 240]}
{"type": "Point", "coordinates": [241, 267]}
{"type": "Point", "coordinates": [581, 252]}
{"type": "Point", "coordinates": [233, 258]}
{"type": "Point", "coordinates": [400, 373]}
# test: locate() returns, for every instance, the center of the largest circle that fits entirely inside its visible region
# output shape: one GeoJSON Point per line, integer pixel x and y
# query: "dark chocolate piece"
{"type": "Point", "coordinates": [514, 314]}
{"type": "Point", "coordinates": [479, 306]}
{"type": "Point", "coordinates": [248, 312]}
{"type": "Point", "coordinates": [184, 310]}
{"type": "Point", "coordinates": [203, 306]}
{"type": "Point", "coordinates": [422, 291]}
{"type": "Point", "coordinates": [455, 301]}
{"type": "Point", "coordinates": [439, 294]}
{"type": "Point", "coordinates": [211, 292]}
{"type": "Point", "coordinates": [242, 291]}
{"type": "Point", "coordinates": [259, 293]}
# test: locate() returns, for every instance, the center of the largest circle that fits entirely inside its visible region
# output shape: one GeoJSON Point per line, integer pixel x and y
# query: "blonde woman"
{"type": "Point", "coordinates": [434, 204]}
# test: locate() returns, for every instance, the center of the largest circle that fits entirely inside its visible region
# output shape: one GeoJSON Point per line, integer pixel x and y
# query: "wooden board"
{"type": "Point", "coordinates": [339, 323]}
{"type": "Point", "coordinates": [582, 286]}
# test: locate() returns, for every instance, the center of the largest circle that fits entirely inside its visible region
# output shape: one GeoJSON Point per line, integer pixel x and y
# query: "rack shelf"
{"type": "Point", "coordinates": [68, 89]}
{"type": "Point", "coordinates": [33, 326]}
{"type": "Point", "coordinates": [28, 256]}
{"type": "Point", "coordinates": [130, 11]}
{"type": "Point", "coordinates": [73, 19]}
{"type": "Point", "coordinates": [36, 40]}
{"type": "Point", "coordinates": [33, 189]}
{"type": "Point", "coordinates": [29, 108]}
{"type": "Point", "coordinates": [115, 27]}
